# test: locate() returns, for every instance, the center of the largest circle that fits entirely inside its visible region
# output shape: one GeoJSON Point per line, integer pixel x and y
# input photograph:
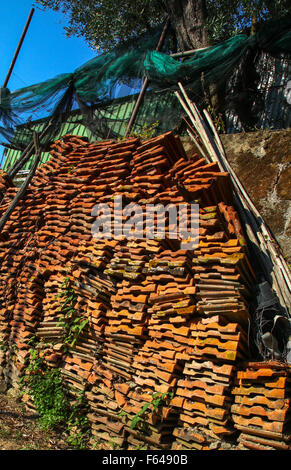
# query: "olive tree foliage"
{"type": "Point", "coordinates": [196, 23]}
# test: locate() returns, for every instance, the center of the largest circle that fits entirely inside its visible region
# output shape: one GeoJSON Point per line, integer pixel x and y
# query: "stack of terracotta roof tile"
{"type": "Point", "coordinates": [204, 392]}
{"type": "Point", "coordinates": [115, 166]}
{"type": "Point", "coordinates": [24, 320]}
{"type": "Point", "coordinates": [8, 280]}
{"type": "Point", "coordinates": [204, 181]}
{"type": "Point", "coordinates": [17, 256]}
{"type": "Point", "coordinates": [127, 327]}
{"type": "Point", "coordinates": [222, 270]}
{"type": "Point", "coordinates": [155, 157]}
{"type": "Point", "coordinates": [81, 218]}
{"type": "Point", "coordinates": [93, 293]}
{"type": "Point", "coordinates": [105, 399]}
{"type": "Point", "coordinates": [5, 183]}
{"type": "Point", "coordinates": [124, 334]}
{"type": "Point", "coordinates": [159, 362]}
{"type": "Point", "coordinates": [218, 337]}
{"type": "Point", "coordinates": [163, 328]}
{"type": "Point", "coordinates": [261, 410]}
{"type": "Point", "coordinates": [49, 330]}
{"type": "Point", "coordinates": [75, 373]}
{"type": "Point", "coordinates": [127, 263]}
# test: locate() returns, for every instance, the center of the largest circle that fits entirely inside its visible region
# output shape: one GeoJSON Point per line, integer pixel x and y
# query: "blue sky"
{"type": "Point", "coordinates": [46, 51]}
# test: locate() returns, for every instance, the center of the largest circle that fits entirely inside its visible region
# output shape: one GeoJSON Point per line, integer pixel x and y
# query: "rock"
{"type": "Point", "coordinates": [14, 394]}
{"type": "Point", "coordinates": [214, 445]}
{"type": "Point", "coordinates": [3, 386]}
{"type": "Point", "coordinates": [284, 187]}
{"type": "Point", "coordinates": [262, 160]}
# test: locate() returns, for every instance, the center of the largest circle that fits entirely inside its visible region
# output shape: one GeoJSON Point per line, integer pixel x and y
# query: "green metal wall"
{"type": "Point", "coordinates": [156, 108]}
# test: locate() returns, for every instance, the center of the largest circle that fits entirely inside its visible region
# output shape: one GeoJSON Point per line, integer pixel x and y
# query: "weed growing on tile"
{"type": "Point", "coordinates": [144, 133]}
{"type": "Point", "coordinates": [44, 385]}
{"type": "Point", "coordinates": [139, 421]}
{"type": "Point", "coordinates": [78, 427]}
{"type": "Point", "coordinates": [70, 319]}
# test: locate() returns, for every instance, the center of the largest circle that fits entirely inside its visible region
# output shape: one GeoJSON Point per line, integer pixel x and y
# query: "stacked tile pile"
{"type": "Point", "coordinates": [23, 323]}
{"type": "Point", "coordinates": [164, 329]}
{"type": "Point", "coordinates": [223, 279]}
{"type": "Point", "coordinates": [21, 291]}
{"type": "Point", "coordinates": [124, 334]}
{"type": "Point", "coordinates": [106, 399]}
{"type": "Point", "coordinates": [127, 328]}
{"type": "Point", "coordinates": [148, 177]}
{"type": "Point", "coordinates": [159, 362]}
{"type": "Point", "coordinates": [92, 300]}
{"type": "Point", "coordinates": [93, 292]}
{"type": "Point", "coordinates": [204, 393]}
{"type": "Point", "coordinates": [261, 409]}
{"type": "Point", "coordinates": [48, 329]}
{"type": "Point", "coordinates": [5, 183]}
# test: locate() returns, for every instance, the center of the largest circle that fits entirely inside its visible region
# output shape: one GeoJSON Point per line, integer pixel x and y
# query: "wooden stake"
{"type": "Point", "coordinates": [26, 154]}
{"type": "Point", "coordinates": [25, 184]}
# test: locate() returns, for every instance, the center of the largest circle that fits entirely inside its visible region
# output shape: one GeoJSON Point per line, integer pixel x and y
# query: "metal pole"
{"type": "Point", "coordinates": [145, 83]}
{"type": "Point", "coordinates": [18, 48]}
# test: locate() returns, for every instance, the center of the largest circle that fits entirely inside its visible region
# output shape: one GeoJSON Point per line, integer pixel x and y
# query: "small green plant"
{"type": "Point", "coordinates": [114, 445]}
{"type": "Point", "coordinates": [70, 319]}
{"type": "Point", "coordinates": [145, 132]}
{"type": "Point", "coordinates": [95, 443]}
{"type": "Point", "coordinates": [78, 424]}
{"type": "Point", "coordinates": [55, 411]}
{"type": "Point", "coordinates": [5, 433]}
{"type": "Point", "coordinates": [3, 346]}
{"type": "Point", "coordinates": [139, 420]}
{"type": "Point", "coordinates": [71, 169]}
{"type": "Point", "coordinates": [217, 119]}
{"type": "Point", "coordinates": [44, 385]}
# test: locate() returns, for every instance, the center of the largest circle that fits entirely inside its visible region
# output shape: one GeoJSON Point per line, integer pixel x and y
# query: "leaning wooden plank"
{"type": "Point", "coordinates": [24, 186]}
{"type": "Point", "coordinates": [26, 154]}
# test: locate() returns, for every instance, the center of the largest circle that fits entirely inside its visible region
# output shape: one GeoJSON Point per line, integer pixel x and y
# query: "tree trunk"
{"type": "Point", "coordinates": [188, 20]}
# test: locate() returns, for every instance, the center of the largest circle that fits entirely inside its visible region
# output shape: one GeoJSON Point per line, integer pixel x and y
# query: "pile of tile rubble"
{"type": "Point", "coordinates": [165, 344]}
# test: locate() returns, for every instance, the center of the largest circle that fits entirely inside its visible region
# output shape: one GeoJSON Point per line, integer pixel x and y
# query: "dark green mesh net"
{"type": "Point", "coordinates": [121, 72]}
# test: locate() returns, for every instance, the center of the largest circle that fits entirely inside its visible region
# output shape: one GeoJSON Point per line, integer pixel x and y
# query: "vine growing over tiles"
{"type": "Point", "coordinates": [44, 384]}
{"type": "Point", "coordinates": [70, 319]}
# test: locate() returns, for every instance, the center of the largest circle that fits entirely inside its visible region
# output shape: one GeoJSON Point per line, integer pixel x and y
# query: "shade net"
{"type": "Point", "coordinates": [121, 72]}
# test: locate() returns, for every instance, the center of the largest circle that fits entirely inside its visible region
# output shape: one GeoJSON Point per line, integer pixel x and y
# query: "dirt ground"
{"type": "Point", "coordinates": [19, 429]}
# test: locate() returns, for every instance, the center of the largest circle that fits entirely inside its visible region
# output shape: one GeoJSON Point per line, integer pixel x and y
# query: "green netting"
{"type": "Point", "coordinates": [217, 61]}
{"type": "Point", "coordinates": [102, 78]}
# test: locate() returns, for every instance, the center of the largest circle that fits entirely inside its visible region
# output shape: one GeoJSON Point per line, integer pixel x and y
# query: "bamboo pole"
{"type": "Point", "coordinates": [273, 264]}
{"type": "Point", "coordinates": [188, 53]}
{"type": "Point", "coordinates": [28, 151]}
{"type": "Point", "coordinates": [195, 123]}
{"type": "Point", "coordinates": [200, 125]}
